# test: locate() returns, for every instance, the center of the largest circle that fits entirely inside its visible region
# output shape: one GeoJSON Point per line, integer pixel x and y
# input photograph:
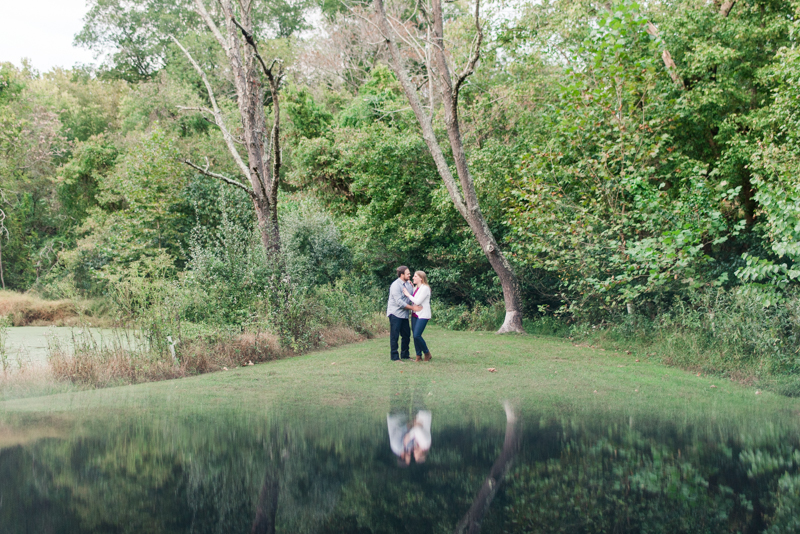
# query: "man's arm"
{"type": "Point", "coordinates": [410, 305]}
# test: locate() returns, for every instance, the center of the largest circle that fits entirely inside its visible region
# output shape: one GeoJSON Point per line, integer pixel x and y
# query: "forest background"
{"type": "Point", "coordinates": [636, 163]}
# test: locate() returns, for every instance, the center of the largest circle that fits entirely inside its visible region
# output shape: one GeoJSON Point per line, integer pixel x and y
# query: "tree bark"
{"type": "Point", "coordinates": [471, 522]}
{"type": "Point", "coordinates": [464, 197]}
{"type": "Point", "coordinates": [2, 278]}
{"type": "Point", "coordinates": [725, 10]}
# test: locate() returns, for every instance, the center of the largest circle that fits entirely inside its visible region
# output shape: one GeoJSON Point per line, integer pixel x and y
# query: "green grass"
{"type": "Point", "coordinates": [538, 374]}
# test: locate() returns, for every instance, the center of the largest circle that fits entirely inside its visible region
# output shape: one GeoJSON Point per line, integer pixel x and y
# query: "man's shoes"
{"type": "Point", "coordinates": [419, 358]}
{"type": "Point", "coordinates": [427, 356]}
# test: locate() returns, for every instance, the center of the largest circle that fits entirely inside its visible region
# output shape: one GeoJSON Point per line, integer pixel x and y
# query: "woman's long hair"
{"type": "Point", "coordinates": [423, 277]}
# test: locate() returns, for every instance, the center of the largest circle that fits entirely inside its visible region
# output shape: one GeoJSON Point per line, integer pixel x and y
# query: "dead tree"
{"type": "Point", "coordinates": [262, 170]}
{"type": "Point", "coordinates": [462, 193]}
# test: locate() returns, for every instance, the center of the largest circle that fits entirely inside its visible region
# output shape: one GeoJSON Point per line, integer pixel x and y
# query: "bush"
{"type": "Point", "coordinates": [312, 246]}
{"type": "Point", "coordinates": [227, 273]}
{"type": "Point", "coordinates": [292, 314]}
{"type": "Point", "coordinates": [461, 317]}
{"type": "Point", "coordinates": [546, 325]}
{"type": "Point", "coordinates": [353, 309]}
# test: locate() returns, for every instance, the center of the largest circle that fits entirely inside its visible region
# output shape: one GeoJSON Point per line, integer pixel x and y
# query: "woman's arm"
{"type": "Point", "coordinates": [419, 296]}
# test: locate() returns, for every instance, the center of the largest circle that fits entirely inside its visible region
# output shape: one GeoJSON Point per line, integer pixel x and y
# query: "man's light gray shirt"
{"type": "Point", "coordinates": [398, 301]}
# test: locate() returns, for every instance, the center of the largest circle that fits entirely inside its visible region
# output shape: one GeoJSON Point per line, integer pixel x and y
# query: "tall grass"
{"type": "Point", "coordinates": [726, 332]}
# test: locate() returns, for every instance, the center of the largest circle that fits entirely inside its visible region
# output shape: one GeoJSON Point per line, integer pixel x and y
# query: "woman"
{"type": "Point", "coordinates": [421, 297]}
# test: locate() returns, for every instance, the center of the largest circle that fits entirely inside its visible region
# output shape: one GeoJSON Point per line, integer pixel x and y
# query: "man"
{"type": "Point", "coordinates": [397, 311]}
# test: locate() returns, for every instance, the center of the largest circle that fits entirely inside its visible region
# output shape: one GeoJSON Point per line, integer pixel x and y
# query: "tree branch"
{"type": "Point", "coordinates": [226, 135]}
{"type": "Point", "coordinates": [225, 179]}
{"type": "Point", "coordinates": [365, 19]}
{"type": "Point", "coordinates": [249, 38]}
{"type": "Point", "coordinates": [725, 10]}
{"type": "Point", "coordinates": [475, 53]}
{"type": "Point", "coordinates": [410, 41]}
{"type": "Point", "coordinates": [201, 9]}
{"type": "Point", "coordinates": [424, 120]}
{"type": "Point", "coordinates": [666, 57]}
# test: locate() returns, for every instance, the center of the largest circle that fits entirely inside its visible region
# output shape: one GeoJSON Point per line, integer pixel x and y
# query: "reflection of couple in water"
{"type": "Point", "coordinates": [410, 439]}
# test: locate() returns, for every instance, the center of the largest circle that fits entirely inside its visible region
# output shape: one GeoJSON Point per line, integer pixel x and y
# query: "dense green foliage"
{"type": "Point", "coordinates": [617, 184]}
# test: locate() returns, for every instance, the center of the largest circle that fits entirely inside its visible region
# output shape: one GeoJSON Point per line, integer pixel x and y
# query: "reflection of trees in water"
{"type": "Point", "coordinates": [471, 522]}
{"type": "Point", "coordinates": [236, 476]}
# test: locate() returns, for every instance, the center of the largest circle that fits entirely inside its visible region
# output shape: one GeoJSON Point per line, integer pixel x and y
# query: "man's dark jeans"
{"type": "Point", "coordinates": [399, 328]}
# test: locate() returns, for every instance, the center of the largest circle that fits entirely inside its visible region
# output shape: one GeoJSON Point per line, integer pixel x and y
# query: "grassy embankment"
{"type": "Point", "coordinates": [27, 309]}
{"type": "Point", "coordinates": [537, 374]}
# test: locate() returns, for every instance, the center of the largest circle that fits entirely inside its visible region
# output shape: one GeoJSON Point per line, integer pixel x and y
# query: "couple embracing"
{"type": "Point", "coordinates": [404, 299]}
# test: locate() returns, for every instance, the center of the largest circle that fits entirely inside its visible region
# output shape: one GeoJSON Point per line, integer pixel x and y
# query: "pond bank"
{"type": "Point", "coordinates": [533, 370]}
{"type": "Point", "coordinates": [28, 309]}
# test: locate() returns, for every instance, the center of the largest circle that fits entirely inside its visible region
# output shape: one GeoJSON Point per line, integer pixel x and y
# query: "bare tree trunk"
{"type": "Point", "coordinates": [2, 278]}
{"type": "Point", "coordinates": [471, 522]}
{"type": "Point", "coordinates": [262, 170]}
{"type": "Point", "coordinates": [463, 193]}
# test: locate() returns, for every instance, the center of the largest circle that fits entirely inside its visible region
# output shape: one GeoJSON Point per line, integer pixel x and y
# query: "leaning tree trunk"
{"type": "Point", "coordinates": [462, 193]}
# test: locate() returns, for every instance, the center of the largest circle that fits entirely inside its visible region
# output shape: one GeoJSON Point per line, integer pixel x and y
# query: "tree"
{"type": "Point", "coordinates": [465, 198]}
{"type": "Point", "coordinates": [263, 151]}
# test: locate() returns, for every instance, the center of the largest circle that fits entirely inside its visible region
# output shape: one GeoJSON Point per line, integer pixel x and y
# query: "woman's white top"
{"type": "Point", "coordinates": [421, 431]}
{"type": "Point", "coordinates": [423, 298]}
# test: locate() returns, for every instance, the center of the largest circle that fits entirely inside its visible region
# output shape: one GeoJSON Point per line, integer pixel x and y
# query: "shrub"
{"type": "Point", "coordinates": [461, 317]}
{"type": "Point", "coordinates": [312, 246]}
{"type": "Point", "coordinates": [292, 315]}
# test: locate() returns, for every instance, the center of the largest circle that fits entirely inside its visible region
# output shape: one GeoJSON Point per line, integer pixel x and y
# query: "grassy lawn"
{"type": "Point", "coordinates": [538, 374]}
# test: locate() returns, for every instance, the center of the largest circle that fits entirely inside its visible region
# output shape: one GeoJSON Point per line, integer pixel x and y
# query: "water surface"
{"type": "Point", "coordinates": [28, 345]}
{"type": "Point", "coordinates": [334, 470]}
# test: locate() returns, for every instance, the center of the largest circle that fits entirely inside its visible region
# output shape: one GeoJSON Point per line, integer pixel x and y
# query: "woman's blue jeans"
{"type": "Point", "coordinates": [417, 327]}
